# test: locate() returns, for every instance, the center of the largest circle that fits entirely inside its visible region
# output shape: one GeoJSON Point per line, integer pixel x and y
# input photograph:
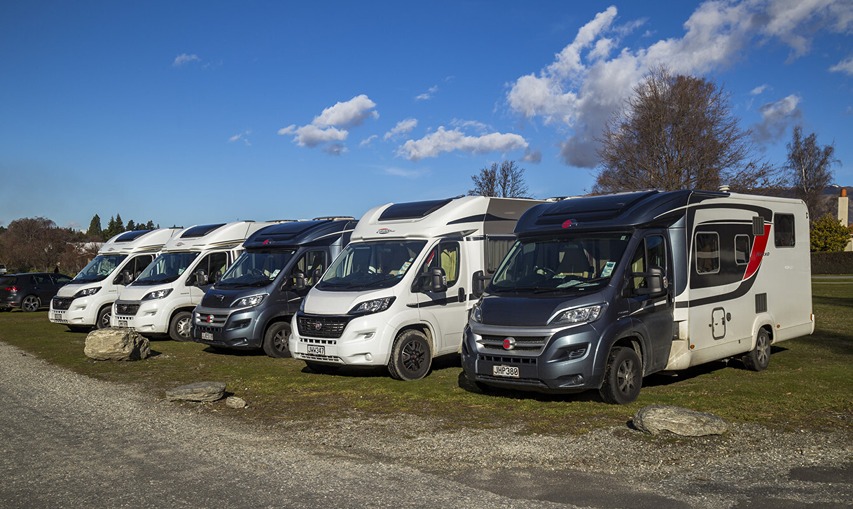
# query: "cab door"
{"type": "Point", "coordinates": [650, 298]}
{"type": "Point", "coordinates": [445, 310]}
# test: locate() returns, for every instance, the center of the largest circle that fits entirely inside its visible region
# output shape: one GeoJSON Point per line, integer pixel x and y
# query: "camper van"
{"type": "Point", "coordinates": [398, 295]}
{"type": "Point", "coordinates": [252, 305]}
{"type": "Point", "coordinates": [599, 292]}
{"type": "Point", "coordinates": [87, 301]}
{"type": "Point", "coordinates": [160, 301]}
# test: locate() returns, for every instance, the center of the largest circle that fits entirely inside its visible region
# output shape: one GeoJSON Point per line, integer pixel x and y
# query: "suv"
{"type": "Point", "coordinates": [29, 291]}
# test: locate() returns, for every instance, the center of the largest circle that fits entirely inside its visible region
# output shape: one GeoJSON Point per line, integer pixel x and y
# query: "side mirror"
{"type": "Point", "coordinates": [200, 278]}
{"type": "Point", "coordinates": [479, 282]}
{"type": "Point", "coordinates": [655, 282]}
{"type": "Point", "coordinates": [299, 281]}
{"type": "Point", "coordinates": [437, 282]}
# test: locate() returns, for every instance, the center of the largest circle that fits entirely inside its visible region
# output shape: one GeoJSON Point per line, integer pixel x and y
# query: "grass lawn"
{"type": "Point", "coordinates": [809, 384]}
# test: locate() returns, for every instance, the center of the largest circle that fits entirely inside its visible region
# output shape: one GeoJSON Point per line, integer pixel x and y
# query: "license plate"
{"type": "Point", "coordinates": [57, 316]}
{"type": "Point", "coordinates": [316, 350]}
{"type": "Point", "coordinates": [122, 323]}
{"type": "Point", "coordinates": [207, 336]}
{"type": "Point", "coordinates": [507, 371]}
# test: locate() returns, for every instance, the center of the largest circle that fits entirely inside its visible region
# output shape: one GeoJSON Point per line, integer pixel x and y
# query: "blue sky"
{"type": "Point", "coordinates": [195, 112]}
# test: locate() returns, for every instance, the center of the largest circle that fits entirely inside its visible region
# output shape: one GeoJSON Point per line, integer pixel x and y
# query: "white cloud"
{"type": "Point", "coordinates": [776, 117]}
{"type": "Point", "coordinates": [184, 59]}
{"type": "Point", "coordinates": [428, 94]}
{"type": "Point", "coordinates": [367, 141]}
{"type": "Point", "coordinates": [443, 140]}
{"type": "Point", "coordinates": [402, 127]}
{"type": "Point", "coordinates": [331, 127]}
{"type": "Point", "coordinates": [244, 137]}
{"type": "Point", "coordinates": [591, 77]}
{"type": "Point", "coordinates": [845, 66]}
{"type": "Point", "coordinates": [758, 90]}
{"type": "Point", "coordinates": [347, 114]}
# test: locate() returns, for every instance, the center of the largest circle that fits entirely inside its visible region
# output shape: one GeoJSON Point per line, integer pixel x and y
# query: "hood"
{"type": "Point", "coordinates": [223, 298]}
{"type": "Point", "coordinates": [530, 310]}
{"type": "Point", "coordinates": [319, 302]}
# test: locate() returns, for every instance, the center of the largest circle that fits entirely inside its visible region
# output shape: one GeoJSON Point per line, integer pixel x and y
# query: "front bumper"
{"type": "Point", "coordinates": [220, 327]}
{"type": "Point", "coordinates": [549, 360]}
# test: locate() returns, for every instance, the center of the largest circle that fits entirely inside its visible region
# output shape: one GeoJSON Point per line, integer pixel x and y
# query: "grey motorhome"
{"type": "Point", "coordinates": [599, 292]}
{"type": "Point", "coordinates": [252, 305]}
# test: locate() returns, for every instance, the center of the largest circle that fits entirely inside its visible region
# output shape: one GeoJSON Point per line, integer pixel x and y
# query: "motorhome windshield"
{"type": "Point", "coordinates": [99, 268]}
{"type": "Point", "coordinates": [366, 265]}
{"type": "Point", "coordinates": [165, 268]}
{"type": "Point", "coordinates": [566, 264]}
{"type": "Point", "coordinates": [255, 268]}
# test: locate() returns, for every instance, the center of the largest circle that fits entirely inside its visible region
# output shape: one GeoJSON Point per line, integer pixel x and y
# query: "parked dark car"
{"type": "Point", "coordinates": [29, 291]}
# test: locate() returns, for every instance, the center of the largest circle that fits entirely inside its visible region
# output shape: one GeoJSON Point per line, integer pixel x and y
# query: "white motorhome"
{"type": "Point", "coordinates": [87, 301]}
{"type": "Point", "coordinates": [600, 291]}
{"type": "Point", "coordinates": [398, 295]}
{"type": "Point", "coordinates": [160, 301]}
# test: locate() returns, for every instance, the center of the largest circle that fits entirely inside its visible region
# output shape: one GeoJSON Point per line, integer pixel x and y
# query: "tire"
{"type": "Point", "coordinates": [180, 328]}
{"type": "Point", "coordinates": [275, 340]}
{"type": "Point", "coordinates": [623, 377]}
{"type": "Point", "coordinates": [104, 316]}
{"type": "Point", "coordinates": [411, 357]}
{"type": "Point", "coordinates": [30, 303]}
{"type": "Point", "coordinates": [759, 358]}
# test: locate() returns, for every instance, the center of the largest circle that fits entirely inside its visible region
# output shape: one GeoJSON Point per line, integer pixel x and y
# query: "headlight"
{"type": "Point", "coordinates": [476, 314]}
{"type": "Point", "coordinates": [157, 294]}
{"type": "Point", "coordinates": [578, 315]}
{"type": "Point", "coordinates": [87, 291]}
{"type": "Point", "coordinates": [249, 302]}
{"type": "Point", "coordinates": [372, 306]}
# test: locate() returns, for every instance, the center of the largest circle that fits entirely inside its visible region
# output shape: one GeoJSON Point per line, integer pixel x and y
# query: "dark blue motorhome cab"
{"type": "Point", "coordinates": [252, 305]}
{"type": "Point", "coordinates": [598, 292]}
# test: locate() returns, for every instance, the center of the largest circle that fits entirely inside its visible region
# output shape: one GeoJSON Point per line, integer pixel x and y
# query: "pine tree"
{"type": "Point", "coordinates": [95, 232]}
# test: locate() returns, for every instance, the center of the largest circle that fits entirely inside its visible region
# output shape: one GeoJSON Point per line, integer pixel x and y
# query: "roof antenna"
{"type": "Point", "coordinates": [724, 188]}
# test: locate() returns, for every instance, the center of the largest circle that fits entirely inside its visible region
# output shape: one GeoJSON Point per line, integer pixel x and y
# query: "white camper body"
{"type": "Point", "coordinates": [601, 291]}
{"type": "Point", "coordinates": [160, 301]}
{"type": "Point", "coordinates": [399, 293]}
{"type": "Point", "coordinates": [87, 300]}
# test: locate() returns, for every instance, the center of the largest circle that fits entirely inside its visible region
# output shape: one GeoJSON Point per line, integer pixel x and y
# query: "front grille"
{"type": "Point", "coordinates": [322, 326]}
{"type": "Point", "coordinates": [523, 344]}
{"type": "Point", "coordinates": [212, 330]}
{"type": "Point", "coordinates": [126, 309]}
{"type": "Point", "coordinates": [62, 303]}
{"type": "Point", "coordinates": [210, 321]}
{"type": "Point", "coordinates": [515, 381]}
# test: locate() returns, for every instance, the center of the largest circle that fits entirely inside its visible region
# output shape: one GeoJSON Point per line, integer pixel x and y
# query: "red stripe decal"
{"type": "Point", "coordinates": [757, 254]}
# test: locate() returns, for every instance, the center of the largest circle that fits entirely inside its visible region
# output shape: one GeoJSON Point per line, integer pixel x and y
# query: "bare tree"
{"type": "Point", "coordinates": [34, 244]}
{"type": "Point", "coordinates": [677, 132]}
{"type": "Point", "coordinates": [809, 167]}
{"type": "Point", "coordinates": [504, 181]}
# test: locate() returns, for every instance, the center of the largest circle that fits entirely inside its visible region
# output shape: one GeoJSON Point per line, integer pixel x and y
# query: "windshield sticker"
{"type": "Point", "coordinates": [608, 269]}
{"type": "Point", "coordinates": [275, 273]}
{"type": "Point", "coordinates": [405, 267]}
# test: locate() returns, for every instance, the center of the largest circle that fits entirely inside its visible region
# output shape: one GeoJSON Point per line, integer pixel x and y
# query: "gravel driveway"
{"type": "Point", "coordinates": [71, 441]}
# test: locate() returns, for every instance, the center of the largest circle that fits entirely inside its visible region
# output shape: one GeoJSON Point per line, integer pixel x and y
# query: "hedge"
{"type": "Point", "coordinates": [832, 263]}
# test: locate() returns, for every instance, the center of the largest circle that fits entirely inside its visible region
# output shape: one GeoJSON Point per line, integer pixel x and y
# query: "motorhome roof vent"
{"type": "Point", "coordinates": [131, 235]}
{"type": "Point", "coordinates": [200, 230]}
{"type": "Point", "coordinates": [334, 218]}
{"type": "Point", "coordinates": [594, 208]}
{"type": "Point", "coordinates": [412, 210]}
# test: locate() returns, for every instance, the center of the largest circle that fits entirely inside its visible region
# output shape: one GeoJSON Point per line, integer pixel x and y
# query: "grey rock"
{"type": "Point", "coordinates": [116, 344]}
{"type": "Point", "coordinates": [199, 391]}
{"type": "Point", "coordinates": [680, 421]}
{"type": "Point", "coordinates": [235, 402]}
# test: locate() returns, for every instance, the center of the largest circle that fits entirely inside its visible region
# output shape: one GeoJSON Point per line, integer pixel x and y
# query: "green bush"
{"type": "Point", "coordinates": [828, 234]}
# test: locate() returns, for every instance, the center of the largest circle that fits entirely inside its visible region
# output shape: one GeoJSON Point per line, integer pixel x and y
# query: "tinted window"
{"type": "Point", "coordinates": [741, 249]}
{"type": "Point", "coordinates": [784, 226]}
{"type": "Point", "coordinates": [707, 249]}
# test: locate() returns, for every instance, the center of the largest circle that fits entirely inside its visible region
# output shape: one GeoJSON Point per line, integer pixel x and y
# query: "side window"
{"type": "Point", "coordinates": [707, 252]}
{"type": "Point", "coordinates": [496, 249]}
{"type": "Point", "coordinates": [313, 265]}
{"type": "Point", "coordinates": [650, 253]}
{"type": "Point", "coordinates": [41, 279]}
{"type": "Point", "coordinates": [741, 249]}
{"type": "Point", "coordinates": [445, 256]}
{"type": "Point", "coordinates": [783, 224]}
{"type": "Point", "coordinates": [214, 266]}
